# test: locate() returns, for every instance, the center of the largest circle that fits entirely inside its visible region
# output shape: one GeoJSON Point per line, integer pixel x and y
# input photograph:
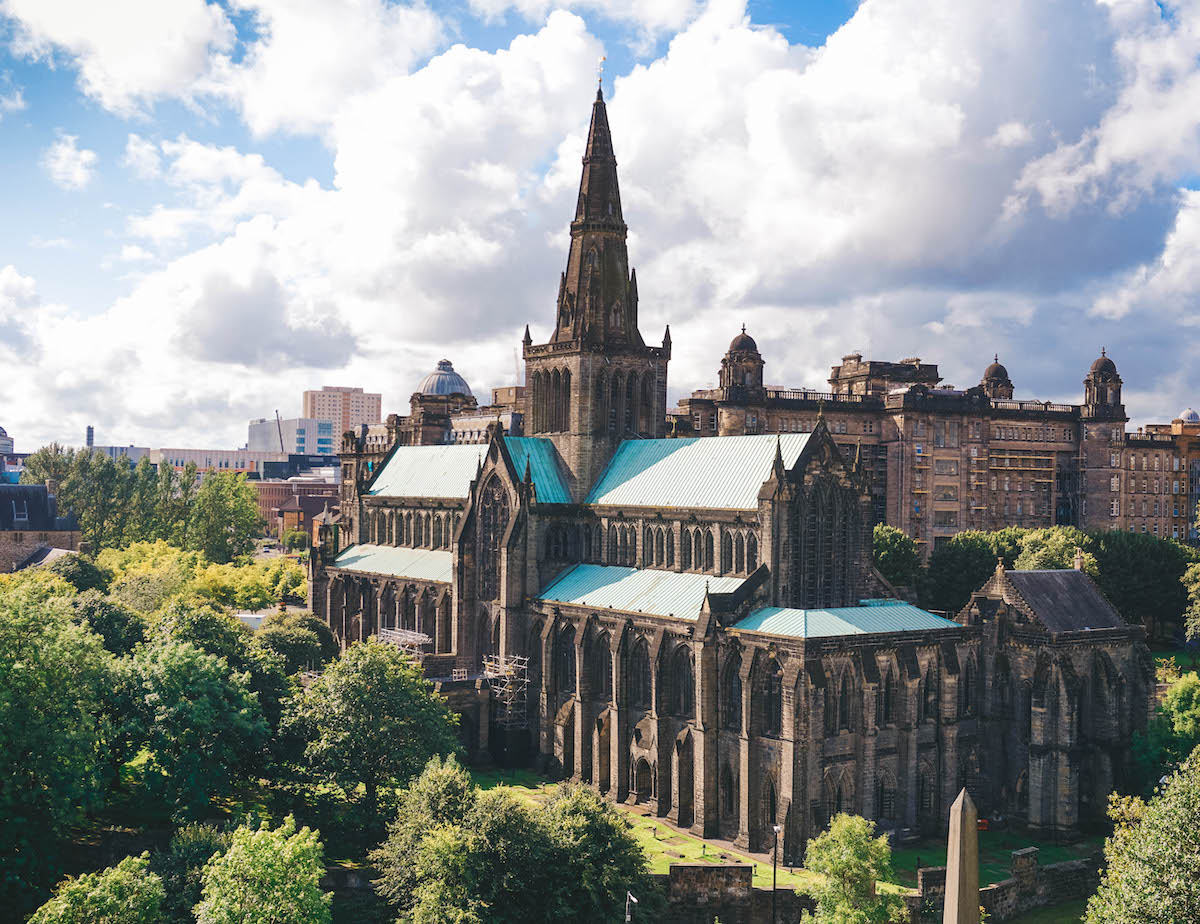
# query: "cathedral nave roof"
{"type": "Point", "coordinates": [393, 561]}
{"type": "Point", "coordinates": [636, 590]}
{"type": "Point", "coordinates": [872, 618]}
{"type": "Point", "coordinates": [699, 473]}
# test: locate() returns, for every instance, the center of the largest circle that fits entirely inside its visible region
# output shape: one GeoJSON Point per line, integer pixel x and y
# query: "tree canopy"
{"type": "Point", "coordinates": [896, 556]}
{"type": "Point", "coordinates": [371, 719]}
{"type": "Point", "coordinates": [127, 893]}
{"type": "Point", "coordinates": [1153, 858]}
{"type": "Point", "coordinates": [266, 877]}
{"type": "Point", "coordinates": [852, 860]}
{"type": "Point", "coordinates": [224, 517]}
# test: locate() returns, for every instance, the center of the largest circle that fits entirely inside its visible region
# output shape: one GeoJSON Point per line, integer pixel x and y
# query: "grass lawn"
{"type": "Point", "coordinates": [1186, 661]}
{"type": "Point", "coordinates": [663, 844]}
{"type": "Point", "coordinates": [995, 855]}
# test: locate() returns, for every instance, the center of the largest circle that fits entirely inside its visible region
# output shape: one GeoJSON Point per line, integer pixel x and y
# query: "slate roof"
{"type": "Point", "coordinates": [1066, 600]}
{"type": "Point", "coordinates": [871, 618]}
{"type": "Point", "coordinates": [31, 507]}
{"type": "Point", "coordinates": [698, 473]}
{"type": "Point", "coordinates": [634, 590]}
{"type": "Point", "coordinates": [416, 564]}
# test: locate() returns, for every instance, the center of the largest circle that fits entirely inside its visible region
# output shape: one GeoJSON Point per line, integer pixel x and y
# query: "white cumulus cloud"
{"type": "Point", "coordinates": [69, 165]}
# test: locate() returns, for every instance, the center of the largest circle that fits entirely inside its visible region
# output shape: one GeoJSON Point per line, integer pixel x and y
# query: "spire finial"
{"type": "Point", "coordinates": [743, 327]}
{"type": "Point", "coordinates": [600, 77]}
{"type": "Point", "coordinates": [1103, 352]}
{"type": "Point", "coordinates": [995, 357]}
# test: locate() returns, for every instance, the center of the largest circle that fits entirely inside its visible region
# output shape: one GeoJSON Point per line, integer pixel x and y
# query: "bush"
{"type": "Point", "coordinates": [181, 865]}
{"type": "Point", "coordinates": [121, 628]}
{"type": "Point", "coordinates": [81, 573]}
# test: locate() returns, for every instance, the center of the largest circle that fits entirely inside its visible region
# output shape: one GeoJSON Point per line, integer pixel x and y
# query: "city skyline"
{"type": "Point", "coordinates": [199, 234]}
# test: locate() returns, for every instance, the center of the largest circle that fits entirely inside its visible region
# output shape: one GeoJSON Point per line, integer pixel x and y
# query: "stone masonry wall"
{"type": "Point", "coordinates": [699, 894]}
{"type": "Point", "coordinates": [1030, 886]}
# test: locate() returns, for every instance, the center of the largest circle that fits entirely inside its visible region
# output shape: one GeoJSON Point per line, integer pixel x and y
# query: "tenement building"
{"type": "Point", "coordinates": [941, 459]}
{"type": "Point", "coordinates": [694, 624]}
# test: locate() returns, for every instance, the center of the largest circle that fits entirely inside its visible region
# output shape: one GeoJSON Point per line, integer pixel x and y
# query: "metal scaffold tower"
{"type": "Point", "coordinates": [410, 642]}
{"type": "Point", "coordinates": [509, 679]}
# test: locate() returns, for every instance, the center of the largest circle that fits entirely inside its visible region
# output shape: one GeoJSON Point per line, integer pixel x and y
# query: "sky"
{"type": "Point", "coordinates": [209, 207]}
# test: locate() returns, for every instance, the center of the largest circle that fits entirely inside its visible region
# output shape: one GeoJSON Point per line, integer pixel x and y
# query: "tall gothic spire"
{"type": "Point", "coordinates": [597, 297]}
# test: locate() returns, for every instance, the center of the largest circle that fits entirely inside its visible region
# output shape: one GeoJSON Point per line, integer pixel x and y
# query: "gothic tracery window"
{"type": "Point", "coordinates": [731, 694]}
{"type": "Point", "coordinates": [493, 521]}
{"type": "Point", "coordinates": [639, 675]}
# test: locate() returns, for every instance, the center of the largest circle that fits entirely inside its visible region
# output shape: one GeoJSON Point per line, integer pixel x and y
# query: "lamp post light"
{"type": "Point", "coordinates": [630, 901]}
{"type": "Point", "coordinates": [775, 829]}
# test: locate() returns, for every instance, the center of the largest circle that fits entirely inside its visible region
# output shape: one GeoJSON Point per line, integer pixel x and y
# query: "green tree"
{"type": "Point", "coordinates": [143, 522]}
{"type": "Point", "coordinates": [53, 675]}
{"type": "Point", "coordinates": [1142, 575]}
{"type": "Point", "coordinates": [98, 490]}
{"type": "Point", "coordinates": [1054, 548]}
{"type": "Point", "coordinates": [224, 518]}
{"type": "Point", "coordinates": [498, 866]}
{"type": "Point", "coordinates": [371, 720]}
{"type": "Point", "coordinates": [50, 463]}
{"type": "Point", "coordinates": [896, 556]}
{"type": "Point", "coordinates": [958, 568]}
{"type": "Point", "coordinates": [443, 795]}
{"type": "Point", "coordinates": [1153, 862]}
{"type": "Point", "coordinates": [1191, 584]}
{"type": "Point", "coordinates": [300, 643]}
{"type": "Point", "coordinates": [266, 877]}
{"type": "Point", "coordinates": [121, 628]}
{"type": "Point", "coordinates": [852, 860]}
{"type": "Point", "coordinates": [1171, 735]}
{"type": "Point", "coordinates": [181, 867]}
{"type": "Point", "coordinates": [200, 721]}
{"type": "Point", "coordinates": [81, 573]}
{"type": "Point", "coordinates": [303, 619]}
{"type": "Point", "coordinates": [597, 858]}
{"type": "Point", "coordinates": [127, 893]}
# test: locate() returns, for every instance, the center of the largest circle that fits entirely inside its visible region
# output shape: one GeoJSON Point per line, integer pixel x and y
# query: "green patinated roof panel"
{"type": "Point", "coordinates": [543, 466]}
{"type": "Point", "coordinates": [633, 590]}
{"type": "Point", "coordinates": [416, 564]}
{"type": "Point", "coordinates": [715, 473]}
{"type": "Point", "coordinates": [872, 618]}
{"type": "Point", "coordinates": [429, 471]}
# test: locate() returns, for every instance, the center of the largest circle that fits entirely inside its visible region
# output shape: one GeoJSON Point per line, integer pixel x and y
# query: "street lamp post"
{"type": "Point", "coordinates": [774, 869]}
{"type": "Point", "coordinates": [630, 901]}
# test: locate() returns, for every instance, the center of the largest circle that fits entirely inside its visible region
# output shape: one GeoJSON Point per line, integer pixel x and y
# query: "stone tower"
{"type": "Point", "coordinates": [596, 381]}
{"type": "Point", "coordinates": [995, 382]}
{"type": "Point", "coordinates": [1101, 441]}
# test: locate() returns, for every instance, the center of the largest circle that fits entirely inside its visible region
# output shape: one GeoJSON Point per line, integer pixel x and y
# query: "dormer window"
{"type": "Point", "coordinates": [20, 511]}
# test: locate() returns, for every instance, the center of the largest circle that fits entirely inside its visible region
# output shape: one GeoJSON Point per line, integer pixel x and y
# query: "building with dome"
{"type": "Point", "coordinates": [941, 460]}
{"type": "Point", "coordinates": [694, 624]}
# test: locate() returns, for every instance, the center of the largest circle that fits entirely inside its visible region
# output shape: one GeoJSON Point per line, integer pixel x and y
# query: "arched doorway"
{"type": "Point", "coordinates": [643, 780]}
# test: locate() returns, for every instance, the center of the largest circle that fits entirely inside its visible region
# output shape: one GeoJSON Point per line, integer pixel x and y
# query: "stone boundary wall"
{"type": "Point", "coordinates": [699, 893]}
{"type": "Point", "coordinates": [1030, 886]}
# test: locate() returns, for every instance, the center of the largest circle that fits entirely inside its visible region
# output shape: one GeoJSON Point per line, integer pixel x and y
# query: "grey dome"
{"type": "Point", "coordinates": [995, 372]}
{"type": "Point", "coordinates": [444, 381]}
{"type": "Point", "coordinates": [743, 343]}
{"type": "Point", "coordinates": [1103, 363]}
{"type": "Point", "coordinates": [1187, 415]}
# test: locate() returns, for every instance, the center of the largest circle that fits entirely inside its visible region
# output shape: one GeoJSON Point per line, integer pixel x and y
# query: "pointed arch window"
{"type": "Point", "coordinates": [751, 554]}
{"type": "Point", "coordinates": [739, 555]}
{"type": "Point", "coordinates": [639, 675]}
{"type": "Point", "coordinates": [708, 550]}
{"type": "Point", "coordinates": [845, 695]}
{"type": "Point", "coordinates": [772, 686]}
{"type": "Point", "coordinates": [682, 683]}
{"type": "Point", "coordinates": [493, 521]}
{"type": "Point", "coordinates": [726, 553]}
{"type": "Point", "coordinates": [731, 694]}
{"type": "Point", "coordinates": [670, 548]}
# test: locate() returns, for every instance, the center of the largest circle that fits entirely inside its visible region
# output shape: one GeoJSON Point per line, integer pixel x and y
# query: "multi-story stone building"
{"type": "Point", "coordinates": [694, 624]}
{"type": "Point", "coordinates": [941, 460]}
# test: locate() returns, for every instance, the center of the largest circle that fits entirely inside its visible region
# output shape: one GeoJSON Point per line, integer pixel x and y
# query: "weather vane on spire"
{"type": "Point", "coordinates": [600, 69]}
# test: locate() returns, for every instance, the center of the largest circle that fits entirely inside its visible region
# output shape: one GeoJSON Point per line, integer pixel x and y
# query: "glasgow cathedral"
{"type": "Point", "coordinates": [695, 624]}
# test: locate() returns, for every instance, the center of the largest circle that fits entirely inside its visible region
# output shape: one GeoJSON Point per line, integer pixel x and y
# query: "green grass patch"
{"type": "Point", "coordinates": [995, 855]}
{"type": "Point", "coordinates": [1186, 661]}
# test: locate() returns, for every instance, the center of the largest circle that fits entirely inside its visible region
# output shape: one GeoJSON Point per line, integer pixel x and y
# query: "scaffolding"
{"type": "Point", "coordinates": [410, 642]}
{"type": "Point", "coordinates": [509, 679]}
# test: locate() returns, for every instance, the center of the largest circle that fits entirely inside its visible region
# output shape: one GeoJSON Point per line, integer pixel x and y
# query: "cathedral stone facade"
{"type": "Point", "coordinates": [694, 624]}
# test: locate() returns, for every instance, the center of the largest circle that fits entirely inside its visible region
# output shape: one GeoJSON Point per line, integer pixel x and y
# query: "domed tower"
{"type": "Point", "coordinates": [995, 382]}
{"type": "Point", "coordinates": [444, 381]}
{"type": "Point", "coordinates": [1101, 447]}
{"type": "Point", "coordinates": [1102, 391]}
{"type": "Point", "coordinates": [742, 365]}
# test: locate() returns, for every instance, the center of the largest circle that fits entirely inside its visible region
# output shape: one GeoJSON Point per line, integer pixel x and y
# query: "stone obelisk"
{"type": "Point", "coordinates": [962, 864]}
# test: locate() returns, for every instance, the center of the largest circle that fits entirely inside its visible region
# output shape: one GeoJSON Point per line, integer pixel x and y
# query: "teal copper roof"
{"type": "Point", "coordinates": [417, 564]}
{"type": "Point", "coordinates": [873, 617]}
{"type": "Point", "coordinates": [543, 466]}
{"type": "Point", "coordinates": [723, 473]}
{"type": "Point", "coordinates": [633, 590]}
{"type": "Point", "coordinates": [429, 471]}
